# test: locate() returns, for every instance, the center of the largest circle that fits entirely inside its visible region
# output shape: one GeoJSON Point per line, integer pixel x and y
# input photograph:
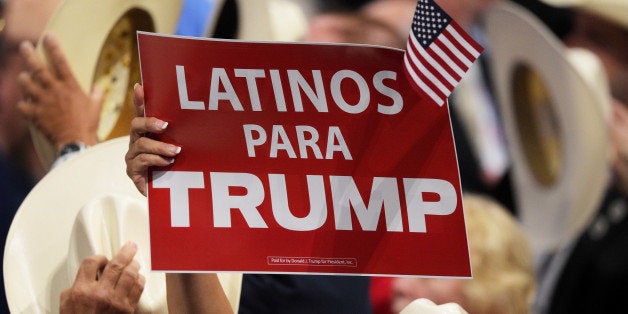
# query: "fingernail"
{"type": "Point", "coordinates": [132, 244]}
{"type": "Point", "coordinates": [175, 149]}
{"type": "Point", "coordinates": [171, 161]}
{"type": "Point", "coordinates": [161, 124]}
{"type": "Point", "coordinates": [136, 86]}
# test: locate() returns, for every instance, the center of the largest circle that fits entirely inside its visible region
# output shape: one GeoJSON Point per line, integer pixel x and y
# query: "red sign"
{"type": "Point", "coordinates": [299, 157]}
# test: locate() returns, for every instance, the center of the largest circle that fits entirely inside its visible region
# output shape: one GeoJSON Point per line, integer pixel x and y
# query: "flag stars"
{"type": "Point", "coordinates": [429, 20]}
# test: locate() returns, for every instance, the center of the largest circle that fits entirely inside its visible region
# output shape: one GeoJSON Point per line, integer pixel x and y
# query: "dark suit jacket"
{"type": "Point", "coordinates": [595, 277]}
{"type": "Point", "coordinates": [276, 294]}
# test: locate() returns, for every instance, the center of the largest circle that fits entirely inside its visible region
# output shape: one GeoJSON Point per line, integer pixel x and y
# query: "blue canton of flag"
{"type": "Point", "coordinates": [439, 52]}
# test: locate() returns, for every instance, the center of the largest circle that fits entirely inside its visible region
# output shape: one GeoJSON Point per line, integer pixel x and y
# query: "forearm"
{"type": "Point", "coordinates": [196, 293]}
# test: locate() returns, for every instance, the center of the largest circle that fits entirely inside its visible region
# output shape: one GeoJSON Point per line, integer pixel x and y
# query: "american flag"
{"type": "Point", "coordinates": [439, 52]}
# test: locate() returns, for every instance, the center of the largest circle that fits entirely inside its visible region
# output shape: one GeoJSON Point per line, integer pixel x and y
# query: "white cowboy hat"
{"type": "Point", "coordinates": [554, 103]}
{"type": "Point", "coordinates": [99, 41]}
{"type": "Point", "coordinates": [614, 10]}
{"type": "Point", "coordinates": [84, 206]}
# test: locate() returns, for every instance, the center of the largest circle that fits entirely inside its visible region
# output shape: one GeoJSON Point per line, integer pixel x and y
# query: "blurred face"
{"type": "Point", "coordinates": [25, 20]}
{"type": "Point", "coordinates": [609, 41]}
{"type": "Point", "coordinates": [465, 12]}
{"type": "Point", "coordinates": [352, 28]}
{"type": "Point", "coordinates": [396, 13]}
{"type": "Point", "coordinates": [13, 128]}
{"type": "Point", "coordinates": [439, 291]}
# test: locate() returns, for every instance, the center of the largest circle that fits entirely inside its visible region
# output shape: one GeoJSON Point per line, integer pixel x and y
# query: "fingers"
{"type": "Point", "coordinates": [136, 292]}
{"type": "Point", "coordinates": [28, 86]}
{"type": "Point", "coordinates": [118, 263]}
{"type": "Point", "coordinates": [145, 153]}
{"type": "Point", "coordinates": [31, 92]}
{"type": "Point", "coordinates": [138, 100]}
{"type": "Point", "coordinates": [130, 284]}
{"type": "Point", "coordinates": [128, 279]}
{"type": "Point", "coordinates": [141, 126]}
{"type": "Point", "coordinates": [117, 291]}
{"type": "Point", "coordinates": [88, 271]}
{"type": "Point", "coordinates": [150, 147]}
{"type": "Point", "coordinates": [35, 66]}
{"type": "Point", "coordinates": [56, 57]}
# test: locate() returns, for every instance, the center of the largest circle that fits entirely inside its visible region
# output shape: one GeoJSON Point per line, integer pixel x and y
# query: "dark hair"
{"type": "Point", "coordinates": [228, 21]}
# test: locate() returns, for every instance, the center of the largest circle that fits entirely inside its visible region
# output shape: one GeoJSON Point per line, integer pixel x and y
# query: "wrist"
{"type": "Point", "coordinates": [83, 138]}
{"type": "Point", "coordinates": [70, 148]}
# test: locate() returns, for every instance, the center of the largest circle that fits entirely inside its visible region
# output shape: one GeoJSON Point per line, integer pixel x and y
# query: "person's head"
{"type": "Point", "coordinates": [609, 41]}
{"type": "Point", "coordinates": [24, 21]}
{"type": "Point", "coordinates": [601, 26]}
{"type": "Point", "coordinates": [467, 12]}
{"type": "Point", "coordinates": [501, 262]}
{"type": "Point", "coordinates": [396, 13]}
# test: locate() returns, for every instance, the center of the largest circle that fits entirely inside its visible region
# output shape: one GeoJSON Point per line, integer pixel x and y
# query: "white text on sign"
{"type": "Point", "coordinates": [345, 196]}
{"type": "Point", "coordinates": [221, 89]}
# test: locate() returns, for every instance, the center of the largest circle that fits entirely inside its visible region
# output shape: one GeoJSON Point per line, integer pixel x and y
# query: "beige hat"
{"type": "Point", "coordinates": [277, 20]}
{"type": "Point", "coordinates": [614, 10]}
{"type": "Point", "coordinates": [98, 38]}
{"type": "Point", "coordinates": [85, 206]}
{"type": "Point", "coordinates": [554, 103]}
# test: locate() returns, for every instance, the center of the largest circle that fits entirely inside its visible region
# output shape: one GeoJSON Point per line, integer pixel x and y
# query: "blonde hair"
{"type": "Point", "coordinates": [501, 260]}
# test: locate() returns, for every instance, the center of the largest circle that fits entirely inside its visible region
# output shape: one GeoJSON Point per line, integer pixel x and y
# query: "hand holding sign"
{"type": "Point", "coordinates": [145, 152]}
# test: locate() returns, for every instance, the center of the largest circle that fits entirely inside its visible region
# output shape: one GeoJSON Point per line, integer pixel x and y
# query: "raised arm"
{"type": "Point", "coordinates": [187, 293]}
{"type": "Point", "coordinates": [196, 293]}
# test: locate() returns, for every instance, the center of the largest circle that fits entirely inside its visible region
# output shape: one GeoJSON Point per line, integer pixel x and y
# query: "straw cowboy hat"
{"type": "Point", "coordinates": [554, 103]}
{"type": "Point", "coordinates": [84, 206]}
{"type": "Point", "coordinates": [613, 10]}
